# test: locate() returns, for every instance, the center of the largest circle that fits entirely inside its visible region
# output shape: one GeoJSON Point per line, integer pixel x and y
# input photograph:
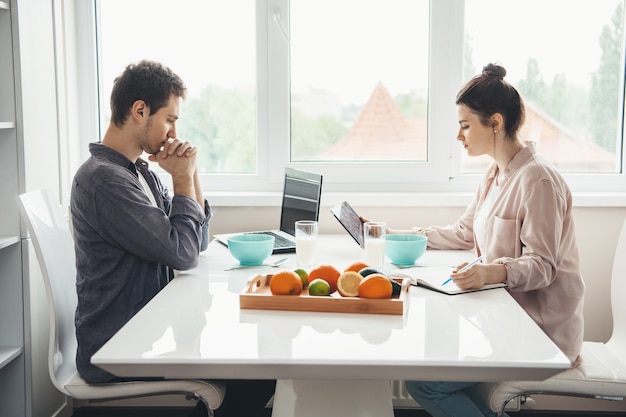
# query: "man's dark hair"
{"type": "Point", "coordinates": [148, 81]}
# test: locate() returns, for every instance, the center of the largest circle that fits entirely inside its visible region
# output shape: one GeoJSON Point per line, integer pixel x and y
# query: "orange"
{"type": "Point", "coordinates": [286, 283]}
{"type": "Point", "coordinates": [356, 266]}
{"type": "Point", "coordinates": [375, 286]}
{"type": "Point", "coordinates": [348, 284]}
{"type": "Point", "coordinates": [328, 273]}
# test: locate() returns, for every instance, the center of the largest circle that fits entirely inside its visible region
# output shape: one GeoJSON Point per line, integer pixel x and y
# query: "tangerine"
{"type": "Point", "coordinates": [375, 286]}
{"type": "Point", "coordinates": [356, 266]}
{"type": "Point", "coordinates": [286, 283]}
{"type": "Point", "coordinates": [328, 273]}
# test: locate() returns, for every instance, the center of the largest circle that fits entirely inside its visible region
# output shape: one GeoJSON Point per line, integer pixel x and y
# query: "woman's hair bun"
{"type": "Point", "coordinates": [494, 70]}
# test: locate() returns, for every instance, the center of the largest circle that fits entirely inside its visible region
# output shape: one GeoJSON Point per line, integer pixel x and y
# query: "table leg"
{"type": "Point", "coordinates": [332, 398]}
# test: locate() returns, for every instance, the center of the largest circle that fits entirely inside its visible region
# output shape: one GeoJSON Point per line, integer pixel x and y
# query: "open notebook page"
{"type": "Point", "coordinates": [433, 277]}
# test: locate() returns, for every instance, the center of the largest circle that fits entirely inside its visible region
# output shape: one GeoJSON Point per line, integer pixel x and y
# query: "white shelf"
{"type": "Point", "coordinates": [8, 353]}
{"type": "Point", "coordinates": [6, 241]}
{"type": "Point", "coordinates": [15, 378]}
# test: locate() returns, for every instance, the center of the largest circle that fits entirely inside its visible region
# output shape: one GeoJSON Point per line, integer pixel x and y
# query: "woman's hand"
{"type": "Point", "coordinates": [389, 230]}
{"type": "Point", "coordinates": [478, 275]}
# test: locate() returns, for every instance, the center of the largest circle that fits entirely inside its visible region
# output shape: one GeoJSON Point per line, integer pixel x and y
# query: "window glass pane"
{"type": "Point", "coordinates": [211, 45]}
{"type": "Point", "coordinates": [359, 80]}
{"type": "Point", "coordinates": [566, 60]}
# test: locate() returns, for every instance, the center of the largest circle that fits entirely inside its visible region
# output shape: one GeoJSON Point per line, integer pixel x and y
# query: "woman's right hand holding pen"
{"type": "Point", "coordinates": [475, 275]}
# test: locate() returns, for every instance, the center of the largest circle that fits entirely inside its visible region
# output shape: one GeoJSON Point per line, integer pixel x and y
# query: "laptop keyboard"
{"type": "Point", "coordinates": [279, 241]}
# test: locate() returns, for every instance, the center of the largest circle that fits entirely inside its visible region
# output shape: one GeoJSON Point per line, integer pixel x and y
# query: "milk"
{"type": "Point", "coordinates": [375, 252]}
{"type": "Point", "coordinates": [305, 250]}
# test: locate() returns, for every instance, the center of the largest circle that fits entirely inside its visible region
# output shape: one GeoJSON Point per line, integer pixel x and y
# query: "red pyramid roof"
{"type": "Point", "coordinates": [381, 132]}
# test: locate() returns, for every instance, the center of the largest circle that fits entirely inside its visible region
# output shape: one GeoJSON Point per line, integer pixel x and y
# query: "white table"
{"type": "Point", "coordinates": [328, 364]}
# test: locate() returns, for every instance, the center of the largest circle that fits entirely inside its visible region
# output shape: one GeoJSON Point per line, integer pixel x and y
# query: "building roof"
{"type": "Point", "coordinates": [382, 132]}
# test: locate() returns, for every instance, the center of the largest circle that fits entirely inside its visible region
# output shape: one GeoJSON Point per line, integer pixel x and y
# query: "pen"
{"type": "Point", "coordinates": [465, 268]}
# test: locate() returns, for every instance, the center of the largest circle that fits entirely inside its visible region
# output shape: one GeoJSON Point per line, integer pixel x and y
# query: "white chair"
{"type": "Point", "coordinates": [55, 251]}
{"type": "Point", "coordinates": [602, 375]}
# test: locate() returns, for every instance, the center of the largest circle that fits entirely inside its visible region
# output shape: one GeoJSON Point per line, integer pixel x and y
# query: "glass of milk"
{"type": "Point", "coordinates": [374, 235]}
{"type": "Point", "coordinates": [306, 242]}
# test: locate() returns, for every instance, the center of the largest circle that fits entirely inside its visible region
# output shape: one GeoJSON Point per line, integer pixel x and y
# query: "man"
{"type": "Point", "coordinates": [130, 235]}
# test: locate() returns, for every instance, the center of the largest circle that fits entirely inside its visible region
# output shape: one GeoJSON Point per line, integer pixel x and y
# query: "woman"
{"type": "Point", "coordinates": [521, 222]}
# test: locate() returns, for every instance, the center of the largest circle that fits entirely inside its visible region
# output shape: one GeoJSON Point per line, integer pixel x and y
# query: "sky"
{"type": "Point", "coordinates": [539, 23]}
{"type": "Point", "coordinates": [201, 41]}
{"type": "Point", "coordinates": [213, 41]}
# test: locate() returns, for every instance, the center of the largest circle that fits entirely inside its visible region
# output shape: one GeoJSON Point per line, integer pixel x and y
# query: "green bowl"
{"type": "Point", "coordinates": [251, 248]}
{"type": "Point", "coordinates": [405, 249]}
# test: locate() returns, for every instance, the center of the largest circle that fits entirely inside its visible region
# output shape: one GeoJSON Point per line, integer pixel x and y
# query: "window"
{"type": "Point", "coordinates": [569, 78]}
{"type": "Point", "coordinates": [363, 91]}
{"type": "Point", "coordinates": [359, 87]}
{"type": "Point", "coordinates": [211, 45]}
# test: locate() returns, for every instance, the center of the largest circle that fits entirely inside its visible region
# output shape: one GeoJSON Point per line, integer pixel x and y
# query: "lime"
{"type": "Point", "coordinates": [348, 284]}
{"type": "Point", "coordinates": [319, 287]}
{"type": "Point", "coordinates": [304, 276]}
{"type": "Point", "coordinates": [368, 271]}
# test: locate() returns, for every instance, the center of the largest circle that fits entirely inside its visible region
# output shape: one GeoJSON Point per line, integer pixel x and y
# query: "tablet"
{"type": "Point", "coordinates": [350, 220]}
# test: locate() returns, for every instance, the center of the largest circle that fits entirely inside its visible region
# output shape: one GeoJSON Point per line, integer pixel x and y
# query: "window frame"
{"type": "Point", "coordinates": [378, 176]}
{"type": "Point", "coordinates": [441, 174]}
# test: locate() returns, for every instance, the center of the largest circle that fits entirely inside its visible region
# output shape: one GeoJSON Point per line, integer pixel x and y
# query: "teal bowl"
{"type": "Point", "coordinates": [405, 249]}
{"type": "Point", "coordinates": [251, 248]}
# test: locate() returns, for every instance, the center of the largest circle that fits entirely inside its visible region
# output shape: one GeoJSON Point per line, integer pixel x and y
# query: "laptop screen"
{"type": "Point", "coordinates": [301, 198]}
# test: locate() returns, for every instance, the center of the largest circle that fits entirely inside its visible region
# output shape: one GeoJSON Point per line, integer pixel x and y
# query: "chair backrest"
{"type": "Point", "coordinates": [618, 295]}
{"type": "Point", "coordinates": [54, 247]}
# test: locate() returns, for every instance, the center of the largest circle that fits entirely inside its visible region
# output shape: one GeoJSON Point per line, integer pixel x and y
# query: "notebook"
{"type": "Point", "coordinates": [434, 277]}
{"type": "Point", "coordinates": [302, 192]}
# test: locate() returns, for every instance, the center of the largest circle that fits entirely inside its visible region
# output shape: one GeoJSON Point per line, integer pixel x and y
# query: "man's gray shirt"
{"type": "Point", "coordinates": [126, 248]}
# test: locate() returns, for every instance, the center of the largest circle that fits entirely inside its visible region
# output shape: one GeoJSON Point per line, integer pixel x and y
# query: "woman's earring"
{"type": "Point", "coordinates": [495, 130]}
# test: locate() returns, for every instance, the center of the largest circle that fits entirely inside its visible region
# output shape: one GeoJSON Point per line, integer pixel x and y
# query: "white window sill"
{"type": "Point", "coordinates": [271, 199]}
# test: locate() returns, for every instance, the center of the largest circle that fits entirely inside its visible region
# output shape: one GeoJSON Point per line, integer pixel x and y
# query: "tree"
{"type": "Point", "coordinates": [222, 125]}
{"type": "Point", "coordinates": [310, 137]}
{"type": "Point", "coordinates": [560, 100]}
{"type": "Point", "coordinates": [412, 106]}
{"type": "Point", "coordinates": [469, 69]}
{"type": "Point", "coordinates": [605, 96]}
{"type": "Point", "coordinates": [533, 88]}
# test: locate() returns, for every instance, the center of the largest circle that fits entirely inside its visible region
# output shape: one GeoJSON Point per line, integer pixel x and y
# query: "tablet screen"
{"type": "Point", "coordinates": [350, 220]}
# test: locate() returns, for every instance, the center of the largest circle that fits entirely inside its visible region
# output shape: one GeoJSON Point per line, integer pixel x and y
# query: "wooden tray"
{"type": "Point", "coordinates": [257, 295]}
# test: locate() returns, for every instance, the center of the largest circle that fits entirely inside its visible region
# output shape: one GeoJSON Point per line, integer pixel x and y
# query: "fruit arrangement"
{"type": "Point", "coordinates": [356, 280]}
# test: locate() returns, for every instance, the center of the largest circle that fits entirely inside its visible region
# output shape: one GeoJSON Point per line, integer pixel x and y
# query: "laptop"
{"type": "Point", "coordinates": [302, 192]}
